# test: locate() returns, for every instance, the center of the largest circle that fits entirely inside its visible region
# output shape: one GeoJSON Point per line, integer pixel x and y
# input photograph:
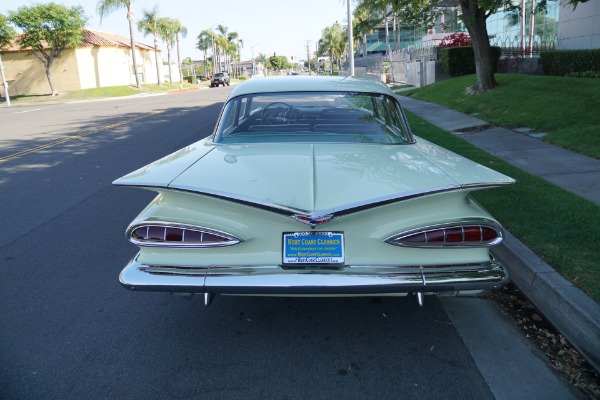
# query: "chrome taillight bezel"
{"type": "Point", "coordinates": [227, 239]}
{"type": "Point", "coordinates": [447, 229]}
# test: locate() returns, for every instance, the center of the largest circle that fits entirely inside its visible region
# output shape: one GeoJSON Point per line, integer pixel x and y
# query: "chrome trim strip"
{"type": "Point", "coordinates": [488, 184]}
{"type": "Point", "coordinates": [232, 240]}
{"type": "Point", "coordinates": [289, 211]}
{"type": "Point", "coordinates": [272, 280]}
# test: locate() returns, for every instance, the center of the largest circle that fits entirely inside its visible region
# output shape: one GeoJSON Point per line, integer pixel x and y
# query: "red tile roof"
{"type": "Point", "coordinates": [93, 38]}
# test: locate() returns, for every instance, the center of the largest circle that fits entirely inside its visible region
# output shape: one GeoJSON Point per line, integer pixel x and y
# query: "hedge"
{"type": "Point", "coordinates": [458, 61]}
{"type": "Point", "coordinates": [563, 62]}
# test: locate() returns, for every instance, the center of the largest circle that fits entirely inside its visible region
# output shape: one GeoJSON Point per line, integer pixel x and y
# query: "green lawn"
{"type": "Point", "coordinates": [567, 109]}
{"type": "Point", "coordinates": [562, 228]}
{"type": "Point", "coordinates": [97, 93]}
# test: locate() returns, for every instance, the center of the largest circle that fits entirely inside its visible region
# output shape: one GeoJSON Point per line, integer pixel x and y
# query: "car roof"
{"type": "Point", "coordinates": [308, 84]}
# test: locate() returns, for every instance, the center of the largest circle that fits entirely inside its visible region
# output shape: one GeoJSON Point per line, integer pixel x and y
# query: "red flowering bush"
{"type": "Point", "coordinates": [456, 39]}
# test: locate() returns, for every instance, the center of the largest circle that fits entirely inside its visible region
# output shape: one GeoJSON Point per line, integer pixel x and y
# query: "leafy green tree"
{"type": "Point", "coordinates": [149, 25]}
{"type": "Point", "coordinates": [7, 34]}
{"type": "Point", "coordinates": [108, 6]}
{"type": "Point", "coordinates": [49, 29]}
{"type": "Point", "coordinates": [277, 63]}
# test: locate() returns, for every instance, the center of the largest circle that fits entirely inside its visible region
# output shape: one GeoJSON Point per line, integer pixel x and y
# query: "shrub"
{"type": "Point", "coordinates": [563, 62]}
{"type": "Point", "coordinates": [456, 39]}
{"type": "Point", "coordinates": [458, 61]}
{"type": "Point", "coordinates": [584, 74]}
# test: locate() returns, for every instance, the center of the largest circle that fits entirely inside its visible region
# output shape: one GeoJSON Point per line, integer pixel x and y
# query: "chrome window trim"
{"type": "Point", "coordinates": [231, 240]}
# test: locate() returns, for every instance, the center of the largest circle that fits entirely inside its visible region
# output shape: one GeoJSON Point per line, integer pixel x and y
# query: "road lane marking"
{"type": "Point", "coordinates": [78, 136]}
{"type": "Point", "coordinates": [26, 111]}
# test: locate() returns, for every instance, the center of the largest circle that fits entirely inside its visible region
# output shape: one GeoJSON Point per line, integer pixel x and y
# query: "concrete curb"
{"type": "Point", "coordinates": [183, 90]}
{"type": "Point", "coordinates": [573, 313]}
{"type": "Point", "coordinates": [570, 310]}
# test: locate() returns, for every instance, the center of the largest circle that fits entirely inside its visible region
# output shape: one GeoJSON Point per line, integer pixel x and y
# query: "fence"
{"type": "Point", "coordinates": [420, 66]}
{"type": "Point", "coordinates": [415, 66]}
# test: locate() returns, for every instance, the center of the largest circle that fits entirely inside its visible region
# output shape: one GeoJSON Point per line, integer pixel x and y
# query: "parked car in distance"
{"type": "Point", "coordinates": [314, 186]}
{"type": "Point", "coordinates": [220, 78]}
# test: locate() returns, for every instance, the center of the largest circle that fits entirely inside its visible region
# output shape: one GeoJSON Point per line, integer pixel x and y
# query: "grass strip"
{"type": "Point", "coordinates": [564, 108]}
{"type": "Point", "coordinates": [562, 228]}
{"type": "Point", "coordinates": [101, 92]}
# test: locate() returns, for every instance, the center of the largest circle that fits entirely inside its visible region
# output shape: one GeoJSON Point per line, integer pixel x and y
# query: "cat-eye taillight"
{"type": "Point", "coordinates": [174, 235]}
{"type": "Point", "coordinates": [449, 235]}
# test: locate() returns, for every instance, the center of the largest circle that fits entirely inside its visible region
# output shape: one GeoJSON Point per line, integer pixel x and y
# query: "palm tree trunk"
{"type": "Point", "coordinates": [156, 59]}
{"type": "Point", "coordinates": [169, 61]}
{"type": "Point", "coordinates": [179, 59]}
{"type": "Point", "coordinates": [130, 18]}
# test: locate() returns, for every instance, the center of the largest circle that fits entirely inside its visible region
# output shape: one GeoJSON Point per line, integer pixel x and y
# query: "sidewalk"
{"type": "Point", "coordinates": [574, 314]}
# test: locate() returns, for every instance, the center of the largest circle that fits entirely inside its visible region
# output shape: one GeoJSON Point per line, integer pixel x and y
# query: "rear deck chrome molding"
{"type": "Point", "coordinates": [272, 280]}
{"type": "Point", "coordinates": [337, 211]}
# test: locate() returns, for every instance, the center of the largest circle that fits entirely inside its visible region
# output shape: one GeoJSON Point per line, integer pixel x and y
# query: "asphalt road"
{"type": "Point", "coordinates": [68, 330]}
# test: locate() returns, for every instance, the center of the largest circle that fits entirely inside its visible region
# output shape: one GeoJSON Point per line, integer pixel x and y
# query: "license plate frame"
{"type": "Point", "coordinates": [313, 248]}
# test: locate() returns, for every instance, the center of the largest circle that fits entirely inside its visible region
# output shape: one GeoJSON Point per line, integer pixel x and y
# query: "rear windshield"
{"type": "Point", "coordinates": [335, 117]}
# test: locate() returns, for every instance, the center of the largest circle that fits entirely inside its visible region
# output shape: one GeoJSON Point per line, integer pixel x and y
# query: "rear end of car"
{"type": "Point", "coordinates": [314, 188]}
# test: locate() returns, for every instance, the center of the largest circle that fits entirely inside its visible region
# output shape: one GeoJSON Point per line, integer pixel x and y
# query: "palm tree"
{"type": "Point", "coordinates": [180, 31]}
{"type": "Point", "coordinates": [239, 44]}
{"type": "Point", "coordinates": [190, 63]}
{"type": "Point", "coordinates": [106, 7]}
{"type": "Point", "coordinates": [365, 23]}
{"type": "Point", "coordinates": [235, 43]}
{"type": "Point", "coordinates": [166, 31]}
{"type": "Point", "coordinates": [205, 42]}
{"type": "Point", "coordinates": [149, 25]}
{"type": "Point", "coordinates": [222, 44]}
{"type": "Point", "coordinates": [381, 7]}
{"type": "Point", "coordinates": [333, 42]}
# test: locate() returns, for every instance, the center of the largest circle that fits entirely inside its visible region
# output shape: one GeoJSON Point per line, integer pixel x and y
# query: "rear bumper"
{"type": "Point", "coordinates": [351, 280]}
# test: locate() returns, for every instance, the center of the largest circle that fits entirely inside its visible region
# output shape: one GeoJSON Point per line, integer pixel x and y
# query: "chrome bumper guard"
{"type": "Point", "coordinates": [351, 280]}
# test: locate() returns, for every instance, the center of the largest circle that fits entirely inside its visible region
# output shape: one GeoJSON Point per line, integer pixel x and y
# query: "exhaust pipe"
{"type": "Point", "coordinates": [208, 298]}
{"type": "Point", "coordinates": [420, 298]}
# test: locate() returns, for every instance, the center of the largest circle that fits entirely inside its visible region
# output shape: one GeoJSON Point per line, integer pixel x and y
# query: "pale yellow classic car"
{"type": "Point", "coordinates": [313, 186]}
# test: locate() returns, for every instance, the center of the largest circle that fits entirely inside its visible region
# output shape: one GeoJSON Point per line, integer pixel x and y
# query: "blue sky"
{"type": "Point", "coordinates": [282, 26]}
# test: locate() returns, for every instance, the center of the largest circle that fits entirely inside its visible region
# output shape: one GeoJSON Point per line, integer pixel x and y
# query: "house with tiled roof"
{"type": "Point", "coordinates": [101, 59]}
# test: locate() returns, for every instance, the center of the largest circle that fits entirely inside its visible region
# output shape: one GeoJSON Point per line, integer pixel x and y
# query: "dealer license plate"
{"type": "Point", "coordinates": [313, 248]}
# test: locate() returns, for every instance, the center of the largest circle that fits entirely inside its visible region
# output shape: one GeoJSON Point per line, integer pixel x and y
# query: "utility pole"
{"type": "Point", "coordinates": [308, 55]}
{"type": "Point", "coordinates": [350, 40]}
